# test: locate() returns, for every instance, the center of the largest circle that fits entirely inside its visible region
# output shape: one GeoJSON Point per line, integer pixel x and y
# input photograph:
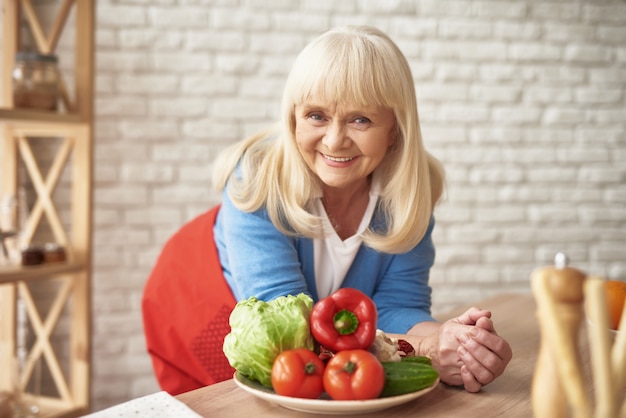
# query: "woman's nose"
{"type": "Point", "coordinates": [335, 136]}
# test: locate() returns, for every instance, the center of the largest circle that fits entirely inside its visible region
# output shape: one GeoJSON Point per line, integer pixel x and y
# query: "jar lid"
{"type": "Point", "coordinates": [53, 246]}
{"type": "Point", "coordinates": [33, 249]}
{"type": "Point", "coordinates": [35, 56]}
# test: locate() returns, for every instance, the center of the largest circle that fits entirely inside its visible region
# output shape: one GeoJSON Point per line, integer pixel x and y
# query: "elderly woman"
{"type": "Point", "coordinates": [340, 193]}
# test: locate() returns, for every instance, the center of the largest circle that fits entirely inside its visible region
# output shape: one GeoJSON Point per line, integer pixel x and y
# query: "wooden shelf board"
{"type": "Point", "coordinates": [53, 407]}
{"type": "Point", "coordinates": [37, 116]}
{"type": "Point", "coordinates": [11, 274]}
{"type": "Point", "coordinates": [48, 411]}
{"type": "Point", "coordinates": [62, 413]}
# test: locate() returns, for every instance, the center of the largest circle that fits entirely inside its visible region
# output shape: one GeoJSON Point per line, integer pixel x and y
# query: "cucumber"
{"type": "Point", "coordinates": [418, 359]}
{"type": "Point", "coordinates": [403, 377]}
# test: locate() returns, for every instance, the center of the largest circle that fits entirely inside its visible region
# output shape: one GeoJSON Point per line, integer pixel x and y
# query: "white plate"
{"type": "Point", "coordinates": [326, 406]}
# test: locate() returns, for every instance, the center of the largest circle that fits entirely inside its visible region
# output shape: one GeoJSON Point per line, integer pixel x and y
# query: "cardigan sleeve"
{"type": "Point", "coordinates": [403, 294]}
{"type": "Point", "coordinates": [257, 259]}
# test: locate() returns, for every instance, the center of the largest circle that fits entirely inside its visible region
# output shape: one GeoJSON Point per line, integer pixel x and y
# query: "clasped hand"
{"type": "Point", "coordinates": [465, 350]}
{"type": "Point", "coordinates": [468, 351]}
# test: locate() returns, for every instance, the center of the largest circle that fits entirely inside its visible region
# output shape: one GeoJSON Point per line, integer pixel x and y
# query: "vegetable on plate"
{"type": "Point", "coordinates": [298, 373]}
{"type": "Point", "coordinates": [260, 331]}
{"type": "Point", "coordinates": [345, 320]}
{"type": "Point", "coordinates": [354, 375]}
{"type": "Point", "coordinates": [408, 376]}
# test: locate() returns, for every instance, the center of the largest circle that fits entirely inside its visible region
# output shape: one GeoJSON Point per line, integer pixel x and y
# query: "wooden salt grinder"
{"type": "Point", "coordinates": [558, 386]}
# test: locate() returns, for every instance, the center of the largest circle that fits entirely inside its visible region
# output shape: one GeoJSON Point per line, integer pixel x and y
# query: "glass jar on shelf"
{"type": "Point", "coordinates": [13, 216]}
{"type": "Point", "coordinates": [35, 81]}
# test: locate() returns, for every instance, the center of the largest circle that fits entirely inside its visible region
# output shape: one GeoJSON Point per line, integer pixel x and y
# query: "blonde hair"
{"type": "Point", "coordinates": [356, 65]}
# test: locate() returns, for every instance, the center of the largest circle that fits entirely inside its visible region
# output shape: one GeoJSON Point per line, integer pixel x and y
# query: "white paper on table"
{"type": "Point", "coordinates": [157, 405]}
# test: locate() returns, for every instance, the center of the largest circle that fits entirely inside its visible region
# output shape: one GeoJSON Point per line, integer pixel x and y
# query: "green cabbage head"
{"type": "Point", "coordinates": [260, 331]}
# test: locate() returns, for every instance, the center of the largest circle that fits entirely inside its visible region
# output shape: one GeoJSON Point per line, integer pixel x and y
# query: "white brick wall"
{"type": "Point", "coordinates": [523, 101]}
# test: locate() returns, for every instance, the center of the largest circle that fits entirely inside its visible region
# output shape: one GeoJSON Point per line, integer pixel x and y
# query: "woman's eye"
{"type": "Point", "coordinates": [361, 120]}
{"type": "Point", "coordinates": [316, 117]}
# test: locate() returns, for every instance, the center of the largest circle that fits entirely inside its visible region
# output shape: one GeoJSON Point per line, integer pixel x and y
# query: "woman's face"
{"type": "Point", "coordinates": [343, 144]}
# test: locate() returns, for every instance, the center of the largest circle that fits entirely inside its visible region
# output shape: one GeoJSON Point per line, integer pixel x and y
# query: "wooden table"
{"type": "Point", "coordinates": [508, 396]}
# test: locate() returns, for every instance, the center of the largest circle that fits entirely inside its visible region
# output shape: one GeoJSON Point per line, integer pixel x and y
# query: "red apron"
{"type": "Point", "coordinates": [186, 305]}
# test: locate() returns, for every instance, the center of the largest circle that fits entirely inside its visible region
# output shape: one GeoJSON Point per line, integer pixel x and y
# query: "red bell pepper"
{"type": "Point", "coordinates": [345, 320]}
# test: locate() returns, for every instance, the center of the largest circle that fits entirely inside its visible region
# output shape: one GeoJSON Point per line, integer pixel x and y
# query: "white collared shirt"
{"type": "Point", "coordinates": [332, 256]}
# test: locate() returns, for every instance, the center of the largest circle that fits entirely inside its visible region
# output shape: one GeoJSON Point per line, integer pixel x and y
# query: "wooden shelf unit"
{"type": "Point", "coordinates": [73, 127]}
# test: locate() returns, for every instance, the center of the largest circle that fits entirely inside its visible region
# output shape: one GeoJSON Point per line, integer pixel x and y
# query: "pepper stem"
{"type": "Point", "coordinates": [346, 322]}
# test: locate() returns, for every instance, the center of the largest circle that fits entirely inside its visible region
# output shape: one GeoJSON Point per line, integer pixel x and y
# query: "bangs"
{"type": "Point", "coordinates": [345, 69]}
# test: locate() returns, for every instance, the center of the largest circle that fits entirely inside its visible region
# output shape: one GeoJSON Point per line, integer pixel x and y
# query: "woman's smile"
{"type": "Point", "coordinates": [332, 159]}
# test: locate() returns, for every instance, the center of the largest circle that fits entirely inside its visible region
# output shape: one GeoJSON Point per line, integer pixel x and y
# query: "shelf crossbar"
{"type": "Point", "coordinates": [43, 331]}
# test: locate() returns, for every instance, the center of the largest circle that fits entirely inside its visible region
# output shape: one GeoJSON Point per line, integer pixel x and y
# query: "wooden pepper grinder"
{"type": "Point", "coordinates": [558, 387]}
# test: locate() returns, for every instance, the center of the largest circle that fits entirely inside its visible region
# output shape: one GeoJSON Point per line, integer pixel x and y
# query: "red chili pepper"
{"type": "Point", "coordinates": [405, 347]}
{"type": "Point", "coordinates": [345, 320]}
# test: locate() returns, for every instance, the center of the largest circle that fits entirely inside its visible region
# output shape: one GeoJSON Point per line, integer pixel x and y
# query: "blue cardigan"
{"type": "Point", "coordinates": [258, 260]}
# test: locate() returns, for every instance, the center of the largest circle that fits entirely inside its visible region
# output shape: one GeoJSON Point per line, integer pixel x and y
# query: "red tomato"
{"type": "Point", "coordinates": [354, 375]}
{"type": "Point", "coordinates": [298, 373]}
